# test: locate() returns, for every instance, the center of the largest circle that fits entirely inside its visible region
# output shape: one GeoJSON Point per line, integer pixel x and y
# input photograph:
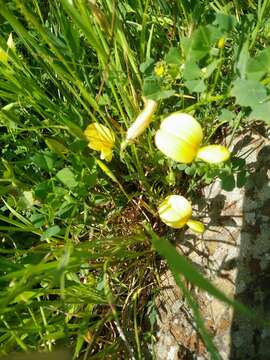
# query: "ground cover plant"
{"type": "Point", "coordinates": [82, 226]}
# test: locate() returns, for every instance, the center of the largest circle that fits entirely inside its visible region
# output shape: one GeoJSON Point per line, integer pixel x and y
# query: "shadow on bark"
{"type": "Point", "coordinates": [250, 340]}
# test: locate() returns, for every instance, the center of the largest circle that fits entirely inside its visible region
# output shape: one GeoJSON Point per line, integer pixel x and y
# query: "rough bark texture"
{"type": "Point", "coordinates": [234, 253]}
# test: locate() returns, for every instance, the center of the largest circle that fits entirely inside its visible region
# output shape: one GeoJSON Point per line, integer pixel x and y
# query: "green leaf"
{"type": "Point", "coordinates": [225, 22]}
{"type": "Point", "coordinates": [56, 146]}
{"type": "Point", "coordinates": [248, 92]}
{"type": "Point", "coordinates": [203, 40]}
{"type": "Point", "coordinates": [67, 177]}
{"type": "Point", "coordinates": [242, 61]}
{"type": "Point", "coordinates": [173, 56]}
{"type": "Point", "coordinates": [90, 180]}
{"type": "Point", "coordinates": [153, 90]}
{"type": "Point", "coordinates": [26, 201]}
{"type": "Point", "coordinates": [50, 232]}
{"type": "Point", "coordinates": [238, 163]}
{"type": "Point", "coordinates": [43, 189]}
{"type": "Point", "coordinates": [147, 67]}
{"type": "Point", "coordinates": [241, 178]}
{"type": "Point", "coordinates": [186, 43]}
{"type": "Point", "coordinates": [261, 112]}
{"type": "Point", "coordinates": [181, 167]}
{"type": "Point", "coordinates": [45, 161]}
{"type": "Point", "coordinates": [191, 71]}
{"type": "Point", "coordinates": [24, 297]}
{"type": "Point", "coordinates": [227, 182]}
{"type": "Point", "coordinates": [38, 220]}
{"type": "Point", "coordinates": [79, 343]}
{"type": "Point", "coordinates": [209, 69]}
{"type": "Point", "coordinates": [163, 94]}
{"type": "Point", "coordinates": [257, 67]}
{"type": "Point", "coordinates": [226, 115]}
{"type": "Point", "coordinates": [151, 86]}
{"type": "Point", "coordinates": [190, 170]}
{"type": "Point", "coordinates": [78, 145]}
{"type": "Point", "coordinates": [65, 207]}
{"type": "Point", "coordinates": [195, 85]}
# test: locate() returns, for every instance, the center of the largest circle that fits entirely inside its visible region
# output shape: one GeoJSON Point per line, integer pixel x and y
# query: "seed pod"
{"type": "Point", "coordinates": [142, 121]}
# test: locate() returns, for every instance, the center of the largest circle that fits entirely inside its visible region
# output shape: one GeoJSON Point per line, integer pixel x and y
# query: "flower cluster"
{"type": "Point", "coordinates": [179, 138]}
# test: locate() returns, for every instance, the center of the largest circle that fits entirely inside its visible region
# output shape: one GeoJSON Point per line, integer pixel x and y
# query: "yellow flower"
{"type": "Point", "coordinates": [175, 211]}
{"type": "Point", "coordinates": [221, 43]}
{"type": "Point", "coordinates": [101, 139]}
{"type": "Point", "coordinates": [180, 137]}
{"type": "Point", "coordinates": [160, 69]}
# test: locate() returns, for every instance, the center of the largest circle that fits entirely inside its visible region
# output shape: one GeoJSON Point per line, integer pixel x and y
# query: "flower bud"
{"type": "Point", "coordinates": [175, 211]}
{"type": "Point", "coordinates": [142, 121]}
{"type": "Point", "coordinates": [221, 43]}
{"type": "Point", "coordinates": [10, 43]}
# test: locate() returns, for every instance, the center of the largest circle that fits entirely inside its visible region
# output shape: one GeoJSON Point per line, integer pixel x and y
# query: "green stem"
{"type": "Point", "coordinates": [142, 176]}
{"type": "Point", "coordinates": [208, 100]}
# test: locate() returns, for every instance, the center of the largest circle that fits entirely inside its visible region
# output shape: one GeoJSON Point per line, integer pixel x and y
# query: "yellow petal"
{"type": "Point", "coordinates": [175, 211]}
{"type": "Point", "coordinates": [213, 154]}
{"type": "Point", "coordinates": [160, 69]}
{"type": "Point", "coordinates": [179, 137]}
{"type": "Point", "coordinates": [106, 154]}
{"type": "Point", "coordinates": [196, 226]}
{"type": "Point", "coordinates": [175, 148]}
{"type": "Point", "coordinates": [185, 127]}
{"type": "Point", "coordinates": [101, 139]}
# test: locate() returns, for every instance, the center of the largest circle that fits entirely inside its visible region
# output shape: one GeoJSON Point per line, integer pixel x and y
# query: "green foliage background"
{"type": "Point", "coordinates": [70, 275]}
